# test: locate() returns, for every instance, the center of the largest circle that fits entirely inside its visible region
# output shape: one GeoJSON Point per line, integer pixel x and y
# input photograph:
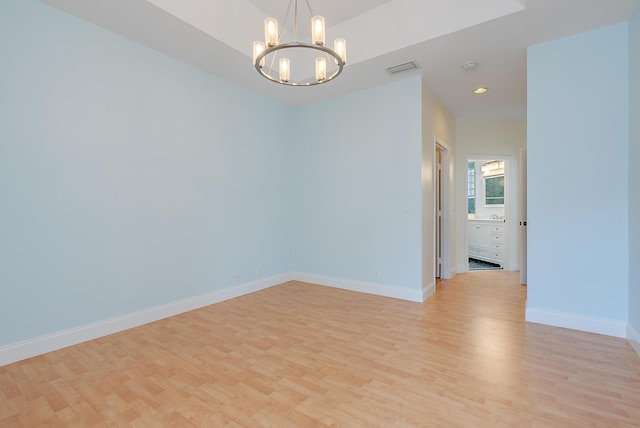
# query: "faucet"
{"type": "Point", "coordinates": [494, 217]}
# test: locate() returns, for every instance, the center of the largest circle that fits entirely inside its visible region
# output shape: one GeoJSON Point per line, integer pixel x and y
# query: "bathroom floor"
{"type": "Point", "coordinates": [475, 264]}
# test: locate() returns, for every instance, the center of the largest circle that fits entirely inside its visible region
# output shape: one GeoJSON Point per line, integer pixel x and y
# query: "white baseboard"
{"type": "Point", "coordinates": [366, 287]}
{"type": "Point", "coordinates": [428, 291]}
{"type": "Point", "coordinates": [30, 348]}
{"type": "Point", "coordinates": [454, 272]}
{"type": "Point", "coordinates": [52, 342]}
{"type": "Point", "coordinates": [448, 275]}
{"type": "Point", "coordinates": [463, 268]}
{"type": "Point", "coordinates": [577, 322]}
{"type": "Point", "coordinates": [634, 338]}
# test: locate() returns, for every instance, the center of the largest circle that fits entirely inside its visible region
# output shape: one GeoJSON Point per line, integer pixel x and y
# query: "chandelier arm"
{"type": "Point", "coordinates": [332, 63]}
{"type": "Point", "coordinates": [284, 21]}
{"type": "Point", "coordinates": [273, 61]}
{"type": "Point", "coordinates": [295, 23]}
{"type": "Point", "coordinates": [309, 7]}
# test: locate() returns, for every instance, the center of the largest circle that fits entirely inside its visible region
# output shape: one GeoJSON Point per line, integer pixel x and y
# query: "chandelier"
{"type": "Point", "coordinates": [273, 59]}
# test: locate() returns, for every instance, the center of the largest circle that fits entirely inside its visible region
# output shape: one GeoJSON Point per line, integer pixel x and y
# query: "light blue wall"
{"type": "Point", "coordinates": [634, 171]}
{"type": "Point", "coordinates": [358, 162]}
{"type": "Point", "coordinates": [127, 179]}
{"type": "Point", "coordinates": [578, 185]}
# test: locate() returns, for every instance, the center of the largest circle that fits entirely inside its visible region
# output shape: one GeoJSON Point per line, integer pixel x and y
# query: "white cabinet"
{"type": "Point", "coordinates": [486, 240]}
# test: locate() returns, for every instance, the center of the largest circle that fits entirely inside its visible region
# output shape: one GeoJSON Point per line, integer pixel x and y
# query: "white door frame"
{"type": "Point", "coordinates": [445, 204]}
{"type": "Point", "coordinates": [522, 221]}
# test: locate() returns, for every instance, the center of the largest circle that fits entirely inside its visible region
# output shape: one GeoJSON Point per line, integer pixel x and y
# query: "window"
{"type": "Point", "coordinates": [471, 188]}
{"type": "Point", "coordinates": [494, 190]}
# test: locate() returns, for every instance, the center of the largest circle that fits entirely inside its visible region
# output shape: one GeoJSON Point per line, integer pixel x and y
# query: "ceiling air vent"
{"type": "Point", "coordinates": [401, 68]}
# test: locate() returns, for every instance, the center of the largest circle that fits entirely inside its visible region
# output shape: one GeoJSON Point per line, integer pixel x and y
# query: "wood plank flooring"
{"type": "Point", "coordinates": [300, 355]}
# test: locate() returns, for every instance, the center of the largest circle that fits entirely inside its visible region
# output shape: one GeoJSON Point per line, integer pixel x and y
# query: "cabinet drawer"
{"type": "Point", "coordinates": [497, 228]}
{"type": "Point", "coordinates": [497, 245]}
{"type": "Point", "coordinates": [496, 257]}
{"type": "Point", "coordinates": [496, 237]}
{"type": "Point", "coordinates": [476, 251]}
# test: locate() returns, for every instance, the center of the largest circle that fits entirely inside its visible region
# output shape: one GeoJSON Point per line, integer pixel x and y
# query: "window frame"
{"type": "Point", "coordinates": [486, 193]}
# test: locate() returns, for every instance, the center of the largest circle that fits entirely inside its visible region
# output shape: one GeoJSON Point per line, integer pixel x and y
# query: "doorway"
{"type": "Point", "coordinates": [489, 240]}
{"type": "Point", "coordinates": [438, 215]}
{"type": "Point", "coordinates": [442, 168]}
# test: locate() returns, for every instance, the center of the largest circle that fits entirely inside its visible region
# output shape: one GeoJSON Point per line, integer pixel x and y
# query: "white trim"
{"type": "Point", "coordinates": [428, 291]}
{"type": "Point", "coordinates": [363, 287]}
{"type": "Point", "coordinates": [634, 338]}
{"type": "Point", "coordinates": [52, 342]}
{"type": "Point", "coordinates": [577, 322]}
{"type": "Point", "coordinates": [30, 348]}
{"type": "Point", "coordinates": [453, 272]}
{"type": "Point", "coordinates": [463, 268]}
{"type": "Point", "coordinates": [445, 195]}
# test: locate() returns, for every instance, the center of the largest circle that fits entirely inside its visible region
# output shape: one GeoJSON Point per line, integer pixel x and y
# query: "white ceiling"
{"type": "Point", "coordinates": [440, 35]}
{"type": "Point", "coordinates": [338, 10]}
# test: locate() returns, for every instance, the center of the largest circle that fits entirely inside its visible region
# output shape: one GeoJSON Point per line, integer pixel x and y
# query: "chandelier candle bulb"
{"type": "Point", "coordinates": [317, 30]}
{"type": "Point", "coordinates": [258, 48]}
{"type": "Point", "coordinates": [321, 69]}
{"type": "Point", "coordinates": [271, 32]}
{"type": "Point", "coordinates": [340, 46]}
{"type": "Point", "coordinates": [285, 69]}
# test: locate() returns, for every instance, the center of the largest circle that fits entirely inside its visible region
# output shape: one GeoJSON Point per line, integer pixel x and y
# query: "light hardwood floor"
{"type": "Point", "coordinates": [300, 355]}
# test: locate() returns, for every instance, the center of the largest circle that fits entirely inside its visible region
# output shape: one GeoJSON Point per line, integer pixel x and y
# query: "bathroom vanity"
{"type": "Point", "coordinates": [486, 240]}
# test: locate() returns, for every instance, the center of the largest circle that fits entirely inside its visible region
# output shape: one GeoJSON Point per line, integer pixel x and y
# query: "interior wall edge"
{"type": "Point", "coordinates": [634, 338]}
{"type": "Point", "coordinates": [428, 291]}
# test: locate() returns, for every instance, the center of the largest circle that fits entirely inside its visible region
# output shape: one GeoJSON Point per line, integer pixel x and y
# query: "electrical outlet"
{"type": "Point", "coordinates": [258, 271]}
{"type": "Point", "coordinates": [237, 278]}
{"type": "Point", "coordinates": [376, 273]}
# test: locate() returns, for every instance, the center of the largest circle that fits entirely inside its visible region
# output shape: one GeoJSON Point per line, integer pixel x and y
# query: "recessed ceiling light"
{"type": "Point", "coordinates": [480, 90]}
